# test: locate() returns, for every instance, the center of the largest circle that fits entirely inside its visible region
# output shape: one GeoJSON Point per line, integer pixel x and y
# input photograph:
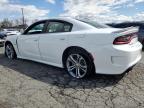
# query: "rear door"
{"type": "Point", "coordinates": [55, 41]}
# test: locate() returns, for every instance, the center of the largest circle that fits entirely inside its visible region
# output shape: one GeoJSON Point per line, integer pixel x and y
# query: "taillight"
{"type": "Point", "coordinates": [124, 39]}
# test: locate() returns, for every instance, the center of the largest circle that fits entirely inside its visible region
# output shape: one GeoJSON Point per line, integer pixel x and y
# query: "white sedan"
{"type": "Point", "coordinates": [9, 32]}
{"type": "Point", "coordinates": [80, 46]}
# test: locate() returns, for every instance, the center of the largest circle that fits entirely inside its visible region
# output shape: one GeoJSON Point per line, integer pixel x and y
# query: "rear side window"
{"type": "Point", "coordinates": [67, 28]}
{"type": "Point", "coordinates": [55, 26]}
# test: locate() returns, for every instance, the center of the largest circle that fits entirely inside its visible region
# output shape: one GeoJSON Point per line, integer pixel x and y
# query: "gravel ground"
{"type": "Point", "coordinates": [26, 84]}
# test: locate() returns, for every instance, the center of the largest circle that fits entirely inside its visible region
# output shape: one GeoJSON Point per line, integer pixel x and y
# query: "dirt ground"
{"type": "Point", "coordinates": [27, 84]}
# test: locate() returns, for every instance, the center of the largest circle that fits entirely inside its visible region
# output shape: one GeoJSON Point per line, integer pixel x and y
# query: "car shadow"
{"type": "Point", "coordinates": [56, 76]}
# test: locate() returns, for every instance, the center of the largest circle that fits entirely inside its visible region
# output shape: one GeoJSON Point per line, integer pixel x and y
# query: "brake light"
{"type": "Point", "coordinates": [124, 39]}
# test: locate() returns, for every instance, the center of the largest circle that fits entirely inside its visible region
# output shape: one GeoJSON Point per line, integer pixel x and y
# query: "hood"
{"type": "Point", "coordinates": [12, 37]}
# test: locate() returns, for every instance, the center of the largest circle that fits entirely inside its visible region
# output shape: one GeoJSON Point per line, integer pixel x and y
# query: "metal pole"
{"type": "Point", "coordinates": [23, 18]}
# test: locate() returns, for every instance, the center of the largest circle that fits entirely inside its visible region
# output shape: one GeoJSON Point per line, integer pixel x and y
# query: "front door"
{"type": "Point", "coordinates": [28, 43]}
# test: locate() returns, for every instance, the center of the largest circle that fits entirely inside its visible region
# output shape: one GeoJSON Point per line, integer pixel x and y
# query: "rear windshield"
{"type": "Point", "coordinates": [95, 24]}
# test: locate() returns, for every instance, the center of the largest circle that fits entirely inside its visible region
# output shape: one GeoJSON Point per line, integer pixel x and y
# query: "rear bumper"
{"type": "Point", "coordinates": [117, 59]}
{"type": "Point", "coordinates": [141, 39]}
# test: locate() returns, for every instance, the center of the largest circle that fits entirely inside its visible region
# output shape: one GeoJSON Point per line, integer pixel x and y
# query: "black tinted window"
{"type": "Point", "coordinates": [36, 28]}
{"type": "Point", "coordinates": [54, 27]}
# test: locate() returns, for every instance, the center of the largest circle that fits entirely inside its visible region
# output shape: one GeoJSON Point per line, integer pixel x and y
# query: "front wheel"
{"type": "Point", "coordinates": [9, 51]}
{"type": "Point", "coordinates": [78, 64]}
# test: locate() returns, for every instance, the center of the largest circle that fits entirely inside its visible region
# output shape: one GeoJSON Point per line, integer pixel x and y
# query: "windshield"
{"type": "Point", "coordinates": [95, 24]}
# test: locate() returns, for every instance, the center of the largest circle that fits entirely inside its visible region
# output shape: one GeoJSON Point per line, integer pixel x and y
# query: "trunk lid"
{"type": "Point", "coordinates": [126, 31]}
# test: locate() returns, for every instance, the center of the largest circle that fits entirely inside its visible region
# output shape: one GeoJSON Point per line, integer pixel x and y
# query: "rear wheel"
{"type": "Point", "coordinates": [9, 51]}
{"type": "Point", "coordinates": [78, 64]}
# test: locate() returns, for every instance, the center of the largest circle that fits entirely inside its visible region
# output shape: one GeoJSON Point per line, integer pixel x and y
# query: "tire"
{"type": "Point", "coordinates": [143, 45]}
{"type": "Point", "coordinates": [79, 64]}
{"type": "Point", "coordinates": [9, 51]}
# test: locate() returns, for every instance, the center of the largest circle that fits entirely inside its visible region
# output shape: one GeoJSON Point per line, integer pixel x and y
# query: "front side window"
{"type": "Point", "coordinates": [36, 29]}
{"type": "Point", "coordinates": [54, 27]}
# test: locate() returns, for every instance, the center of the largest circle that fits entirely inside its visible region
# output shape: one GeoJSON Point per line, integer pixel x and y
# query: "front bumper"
{"type": "Point", "coordinates": [2, 42]}
{"type": "Point", "coordinates": [117, 59]}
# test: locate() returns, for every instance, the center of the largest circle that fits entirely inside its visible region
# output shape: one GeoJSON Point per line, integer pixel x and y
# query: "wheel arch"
{"type": "Point", "coordinates": [9, 42]}
{"type": "Point", "coordinates": [65, 53]}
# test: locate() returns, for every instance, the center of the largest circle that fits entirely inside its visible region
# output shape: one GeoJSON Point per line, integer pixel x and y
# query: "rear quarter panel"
{"type": "Point", "coordinates": [90, 41]}
{"type": "Point", "coordinates": [97, 44]}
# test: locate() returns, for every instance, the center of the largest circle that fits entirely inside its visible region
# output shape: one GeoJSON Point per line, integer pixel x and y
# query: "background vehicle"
{"type": "Point", "coordinates": [2, 35]}
{"type": "Point", "coordinates": [2, 39]}
{"type": "Point", "coordinates": [80, 46]}
{"type": "Point", "coordinates": [132, 24]}
{"type": "Point", "coordinates": [9, 32]}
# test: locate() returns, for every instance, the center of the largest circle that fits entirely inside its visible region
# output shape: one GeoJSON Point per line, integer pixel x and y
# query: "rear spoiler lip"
{"type": "Point", "coordinates": [134, 29]}
{"type": "Point", "coordinates": [126, 31]}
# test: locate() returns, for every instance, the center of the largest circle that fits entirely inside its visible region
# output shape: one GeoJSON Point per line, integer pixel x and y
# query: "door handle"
{"type": "Point", "coordinates": [36, 40]}
{"type": "Point", "coordinates": [62, 38]}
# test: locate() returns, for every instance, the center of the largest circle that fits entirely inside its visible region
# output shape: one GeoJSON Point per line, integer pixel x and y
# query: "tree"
{"type": "Point", "coordinates": [17, 22]}
{"type": "Point", "coordinates": [6, 23]}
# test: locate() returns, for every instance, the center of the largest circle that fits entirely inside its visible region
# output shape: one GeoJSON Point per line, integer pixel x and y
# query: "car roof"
{"type": "Point", "coordinates": [57, 18]}
{"type": "Point", "coordinates": [77, 25]}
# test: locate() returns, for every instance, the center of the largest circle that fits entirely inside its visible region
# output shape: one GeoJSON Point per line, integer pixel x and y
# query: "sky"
{"type": "Point", "coordinates": [100, 10]}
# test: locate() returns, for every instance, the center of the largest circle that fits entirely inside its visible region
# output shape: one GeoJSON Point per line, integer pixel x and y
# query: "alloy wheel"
{"type": "Point", "coordinates": [76, 66]}
{"type": "Point", "coordinates": [9, 51]}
